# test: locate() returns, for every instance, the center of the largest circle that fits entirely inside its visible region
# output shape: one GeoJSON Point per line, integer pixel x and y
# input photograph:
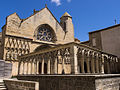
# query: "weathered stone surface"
{"type": "Point", "coordinates": [75, 82]}
{"type": "Point", "coordinates": [5, 69]}
{"type": "Point", "coordinates": [21, 85]}
{"type": "Point", "coordinates": [108, 82]}
{"type": "Point", "coordinates": [20, 35]}
{"type": "Point", "coordinates": [106, 39]}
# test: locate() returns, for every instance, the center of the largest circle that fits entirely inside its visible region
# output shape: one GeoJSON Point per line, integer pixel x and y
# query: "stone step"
{"type": "Point", "coordinates": [2, 86]}
{"type": "Point", "coordinates": [3, 89]}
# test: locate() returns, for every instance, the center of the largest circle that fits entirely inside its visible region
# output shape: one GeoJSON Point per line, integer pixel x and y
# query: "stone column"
{"type": "Point", "coordinates": [108, 65]}
{"type": "Point", "coordinates": [55, 66]}
{"type": "Point", "coordinates": [23, 68]}
{"type": "Point", "coordinates": [88, 64]}
{"type": "Point", "coordinates": [93, 64]}
{"type": "Point", "coordinates": [111, 65]}
{"type": "Point", "coordinates": [72, 59]}
{"type": "Point", "coordinates": [116, 64]}
{"type": "Point", "coordinates": [19, 67]}
{"type": "Point", "coordinates": [27, 67]}
{"type": "Point", "coordinates": [48, 67]}
{"type": "Point", "coordinates": [82, 64]}
{"type": "Point", "coordinates": [31, 68]}
{"type": "Point", "coordinates": [97, 64]}
{"type": "Point", "coordinates": [63, 63]}
{"type": "Point", "coordinates": [102, 64]}
{"type": "Point", "coordinates": [37, 67]}
{"type": "Point", "coordinates": [42, 67]}
{"type": "Point", "coordinates": [75, 60]}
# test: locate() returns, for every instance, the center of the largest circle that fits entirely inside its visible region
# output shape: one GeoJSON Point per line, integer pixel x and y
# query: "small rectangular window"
{"type": "Point", "coordinates": [94, 41]}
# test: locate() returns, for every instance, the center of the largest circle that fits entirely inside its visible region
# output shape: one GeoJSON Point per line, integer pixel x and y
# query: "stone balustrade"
{"type": "Point", "coordinates": [71, 58]}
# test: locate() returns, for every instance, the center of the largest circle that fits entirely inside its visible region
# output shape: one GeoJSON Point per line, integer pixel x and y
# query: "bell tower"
{"type": "Point", "coordinates": [67, 25]}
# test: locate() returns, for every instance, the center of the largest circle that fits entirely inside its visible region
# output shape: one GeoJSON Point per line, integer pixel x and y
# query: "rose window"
{"type": "Point", "coordinates": [45, 33]}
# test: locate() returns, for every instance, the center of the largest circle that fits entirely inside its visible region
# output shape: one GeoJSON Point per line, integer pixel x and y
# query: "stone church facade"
{"type": "Point", "coordinates": [22, 36]}
{"type": "Point", "coordinates": [40, 44]}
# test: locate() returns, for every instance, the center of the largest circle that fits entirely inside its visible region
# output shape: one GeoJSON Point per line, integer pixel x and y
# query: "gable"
{"type": "Point", "coordinates": [27, 27]}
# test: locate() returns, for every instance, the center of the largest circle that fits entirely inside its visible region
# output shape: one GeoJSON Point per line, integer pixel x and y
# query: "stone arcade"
{"type": "Point", "coordinates": [40, 47]}
{"type": "Point", "coordinates": [71, 58]}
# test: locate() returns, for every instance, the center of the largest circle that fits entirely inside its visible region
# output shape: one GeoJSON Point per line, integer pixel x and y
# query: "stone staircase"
{"type": "Point", "coordinates": [2, 85]}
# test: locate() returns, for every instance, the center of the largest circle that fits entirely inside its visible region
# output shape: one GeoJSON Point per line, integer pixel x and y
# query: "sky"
{"type": "Point", "coordinates": [87, 15]}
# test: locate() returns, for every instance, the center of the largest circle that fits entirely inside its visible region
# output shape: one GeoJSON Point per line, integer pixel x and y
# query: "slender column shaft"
{"type": "Point", "coordinates": [93, 64]}
{"type": "Point", "coordinates": [88, 65]}
{"type": "Point", "coordinates": [23, 68]}
{"type": "Point", "coordinates": [31, 68]}
{"type": "Point", "coordinates": [108, 65]}
{"type": "Point", "coordinates": [55, 66]}
{"type": "Point", "coordinates": [37, 67]}
{"type": "Point", "coordinates": [75, 60]}
{"type": "Point", "coordinates": [97, 65]}
{"type": "Point", "coordinates": [116, 63]}
{"type": "Point", "coordinates": [114, 66]}
{"type": "Point", "coordinates": [42, 67]}
{"type": "Point", "coordinates": [62, 63]}
{"type": "Point", "coordinates": [48, 67]}
{"type": "Point", "coordinates": [82, 64]}
{"type": "Point", "coordinates": [102, 65]}
{"type": "Point", "coordinates": [108, 68]}
{"type": "Point", "coordinates": [27, 68]}
{"type": "Point", "coordinates": [19, 67]}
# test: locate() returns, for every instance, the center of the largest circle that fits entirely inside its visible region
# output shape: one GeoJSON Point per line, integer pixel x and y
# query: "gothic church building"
{"type": "Point", "coordinates": [40, 44]}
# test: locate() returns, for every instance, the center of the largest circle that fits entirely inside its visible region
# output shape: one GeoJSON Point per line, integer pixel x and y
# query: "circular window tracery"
{"type": "Point", "coordinates": [45, 33]}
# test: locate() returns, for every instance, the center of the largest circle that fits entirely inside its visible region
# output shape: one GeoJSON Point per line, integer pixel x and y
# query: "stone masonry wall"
{"type": "Point", "coordinates": [5, 69]}
{"type": "Point", "coordinates": [21, 85]}
{"type": "Point", "coordinates": [75, 82]}
{"type": "Point", "coordinates": [108, 83]}
{"type": "Point", "coordinates": [62, 82]}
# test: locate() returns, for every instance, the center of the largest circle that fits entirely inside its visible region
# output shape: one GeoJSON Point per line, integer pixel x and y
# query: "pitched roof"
{"type": "Point", "coordinates": [66, 15]}
{"type": "Point", "coordinates": [105, 28]}
{"type": "Point", "coordinates": [35, 12]}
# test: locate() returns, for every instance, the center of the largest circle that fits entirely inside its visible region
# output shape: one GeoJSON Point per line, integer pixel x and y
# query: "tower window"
{"type": "Point", "coordinates": [64, 26]}
{"type": "Point", "coordinates": [94, 41]}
